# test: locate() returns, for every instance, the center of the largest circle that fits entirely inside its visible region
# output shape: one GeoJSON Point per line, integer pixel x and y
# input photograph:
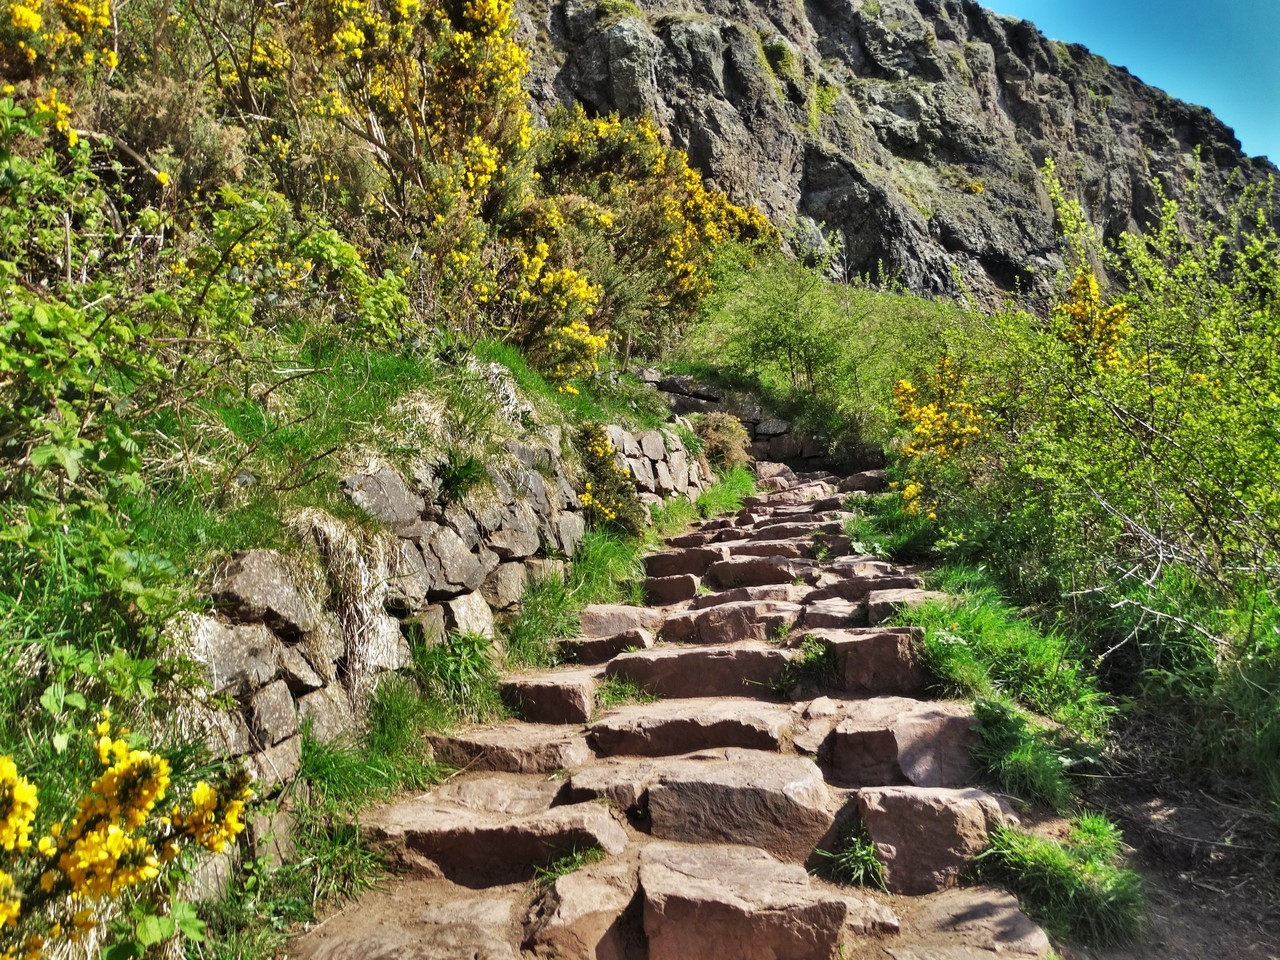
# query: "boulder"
{"type": "Point", "coordinates": [275, 766]}
{"type": "Point", "coordinates": [876, 661]}
{"type": "Point", "coordinates": [460, 569]}
{"type": "Point", "coordinates": [469, 613]}
{"type": "Point", "coordinates": [328, 711]}
{"type": "Point", "coordinates": [272, 716]}
{"type": "Point", "coordinates": [739, 902]}
{"type": "Point", "coordinates": [256, 586]}
{"type": "Point", "coordinates": [384, 495]}
{"type": "Point", "coordinates": [780, 804]}
{"type": "Point", "coordinates": [503, 588]}
{"type": "Point", "coordinates": [926, 837]}
{"type": "Point", "coordinates": [235, 659]}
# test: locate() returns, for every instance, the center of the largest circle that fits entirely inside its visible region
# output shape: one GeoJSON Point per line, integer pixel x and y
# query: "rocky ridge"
{"type": "Point", "coordinates": [915, 129]}
{"type": "Point", "coordinates": [705, 807]}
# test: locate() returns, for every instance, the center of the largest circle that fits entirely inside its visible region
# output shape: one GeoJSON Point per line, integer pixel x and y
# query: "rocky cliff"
{"type": "Point", "coordinates": [916, 129]}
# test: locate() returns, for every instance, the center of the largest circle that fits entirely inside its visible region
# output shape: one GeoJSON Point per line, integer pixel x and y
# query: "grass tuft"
{"type": "Point", "coordinates": [608, 567]}
{"type": "Point", "coordinates": [853, 861]}
{"type": "Point", "coordinates": [1077, 890]}
{"type": "Point", "coordinates": [1019, 758]}
{"type": "Point", "coordinates": [461, 675]}
{"type": "Point", "coordinates": [617, 691]}
{"type": "Point", "coordinates": [547, 614]}
{"type": "Point", "coordinates": [572, 861]}
{"type": "Point", "coordinates": [727, 494]}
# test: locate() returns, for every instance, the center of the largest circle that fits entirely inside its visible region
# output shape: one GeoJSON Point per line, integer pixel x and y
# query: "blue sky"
{"type": "Point", "coordinates": [1221, 54]}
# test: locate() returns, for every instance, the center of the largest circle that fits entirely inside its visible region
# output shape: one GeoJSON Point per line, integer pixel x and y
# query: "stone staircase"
{"type": "Point", "coordinates": [704, 808]}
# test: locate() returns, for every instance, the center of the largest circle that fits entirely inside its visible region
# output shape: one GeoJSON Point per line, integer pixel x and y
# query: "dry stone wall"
{"type": "Point", "coordinates": [296, 640]}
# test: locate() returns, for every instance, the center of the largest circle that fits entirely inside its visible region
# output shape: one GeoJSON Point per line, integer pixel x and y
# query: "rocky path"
{"type": "Point", "coordinates": [703, 809]}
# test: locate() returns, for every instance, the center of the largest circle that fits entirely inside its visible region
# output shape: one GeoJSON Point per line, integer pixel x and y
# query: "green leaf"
{"type": "Point", "coordinates": [60, 741]}
{"type": "Point", "coordinates": [122, 951]}
{"type": "Point", "coordinates": [76, 700]}
{"type": "Point", "coordinates": [188, 921]}
{"type": "Point", "coordinates": [152, 930]}
{"type": "Point", "coordinates": [53, 697]}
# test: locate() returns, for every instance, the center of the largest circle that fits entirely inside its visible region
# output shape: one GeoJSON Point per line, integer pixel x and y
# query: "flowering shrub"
{"type": "Point", "coordinates": [608, 494]}
{"type": "Point", "coordinates": [655, 222]}
{"type": "Point", "coordinates": [120, 836]}
{"type": "Point", "coordinates": [943, 423]}
{"type": "Point", "coordinates": [1094, 331]}
{"type": "Point", "coordinates": [572, 353]}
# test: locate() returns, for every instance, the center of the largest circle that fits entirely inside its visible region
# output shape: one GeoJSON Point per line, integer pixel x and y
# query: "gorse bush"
{"type": "Point", "coordinates": [608, 496]}
{"type": "Point", "coordinates": [58, 887]}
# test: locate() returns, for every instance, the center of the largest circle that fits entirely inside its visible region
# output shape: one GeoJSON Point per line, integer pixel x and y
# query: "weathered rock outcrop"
{"type": "Point", "coordinates": [916, 129]}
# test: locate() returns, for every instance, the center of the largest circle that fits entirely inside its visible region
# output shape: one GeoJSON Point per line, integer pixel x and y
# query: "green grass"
{"type": "Point", "coordinates": [982, 647]}
{"type": "Point", "coordinates": [608, 399]}
{"type": "Point", "coordinates": [572, 861]}
{"type": "Point", "coordinates": [727, 493]}
{"type": "Point", "coordinates": [813, 669]}
{"type": "Point", "coordinates": [669, 518]}
{"type": "Point", "coordinates": [853, 861]}
{"type": "Point", "coordinates": [1021, 759]}
{"type": "Point", "coordinates": [617, 691]}
{"type": "Point", "coordinates": [1078, 890]}
{"type": "Point", "coordinates": [460, 676]}
{"type": "Point", "coordinates": [548, 612]}
{"type": "Point", "coordinates": [607, 567]}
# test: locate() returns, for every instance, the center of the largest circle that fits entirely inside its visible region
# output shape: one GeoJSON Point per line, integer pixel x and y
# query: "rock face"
{"type": "Point", "coordinates": [916, 129]}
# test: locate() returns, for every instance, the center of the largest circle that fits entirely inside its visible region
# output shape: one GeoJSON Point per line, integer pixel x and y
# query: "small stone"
{"type": "Point", "coordinates": [469, 613]}
{"type": "Point", "coordinates": [272, 716]}
{"type": "Point", "coordinates": [328, 711]}
{"type": "Point", "coordinates": [276, 765]}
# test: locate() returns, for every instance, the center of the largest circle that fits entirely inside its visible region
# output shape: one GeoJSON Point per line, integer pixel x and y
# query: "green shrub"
{"type": "Point", "coordinates": [724, 440]}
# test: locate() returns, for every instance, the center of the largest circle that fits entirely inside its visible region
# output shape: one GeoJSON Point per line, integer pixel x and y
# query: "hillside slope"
{"type": "Point", "coordinates": [914, 128]}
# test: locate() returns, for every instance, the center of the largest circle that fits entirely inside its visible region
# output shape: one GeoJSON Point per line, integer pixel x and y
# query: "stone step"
{"type": "Point", "coordinates": [927, 837]}
{"type": "Point", "coordinates": [833, 614]}
{"type": "Point", "coordinates": [602, 649]}
{"type": "Point", "coordinates": [868, 481]}
{"type": "Point", "coordinates": [693, 560]}
{"type": "Point", "coordinates": [743, 669]}
{"type": "Point", "coordinates": [739, 902]}
{"type": "Point", "coordinates": [553, 696]}
{"type": "Point", "coordinates": [513, 748]}
{"type": "Point", "coordinates": [795, 494]}
{"type": "Point", "coordinates": [664, 591]}
{"type": "Point", "coordinates": [590, 914]}
{"type": "Point", "coordinates": [884, 741]}
{"type": "Point", "coordinates": [780, 804]}
{"type": "Point", "coordinates": [608, 619]}
{"type": "Point", "coordinates": [789, 592]}
{"type": "Point", "coordinates": [754, 571]}
{"type": "Point", "coordinates": [475, 844]}
{"type": "Point", "coordinates": [732, 622]}
{"type": "Point", "coordinates": [786, 531]}
{"type": "Point", "coordinates": [857, 587]}
{"type": "Point", "coordinates": [875, 660]}
{"type": "Point", "coordinates": [672, 727]}
{"type": "Point", "coordinates": [969, 923]}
